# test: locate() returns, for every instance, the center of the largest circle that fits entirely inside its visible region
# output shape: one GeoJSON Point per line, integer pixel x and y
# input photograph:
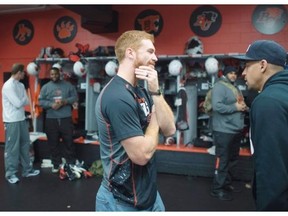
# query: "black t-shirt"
{"type": "Point", "coordinates": [122, 111]}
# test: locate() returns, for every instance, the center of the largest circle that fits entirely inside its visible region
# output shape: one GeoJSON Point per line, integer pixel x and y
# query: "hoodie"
{"type": "Point", "coordinates": [225, 117]}
{"type": "Point", "coordinates": [269, 135]}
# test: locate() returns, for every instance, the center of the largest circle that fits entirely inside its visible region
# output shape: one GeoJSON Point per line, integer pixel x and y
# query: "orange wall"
{"type": "Point", "coordinates": [235, 34]}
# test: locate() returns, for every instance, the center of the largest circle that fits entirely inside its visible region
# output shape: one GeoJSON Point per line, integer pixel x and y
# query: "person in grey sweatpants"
{"type": "Point", "coordinates": [17, 140]}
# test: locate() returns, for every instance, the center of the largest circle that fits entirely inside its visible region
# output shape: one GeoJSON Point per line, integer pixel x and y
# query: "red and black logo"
{"type": "Point", "coordinates": [150, 21]}
{"type": "Point", "coordinates": [205, 21]}
{"type": "Point", "coordinates": [23, 32]}
{"type": "Point", "coordinates": [65, 29]}
{"type": "Point", "coordinates": [269, 19]}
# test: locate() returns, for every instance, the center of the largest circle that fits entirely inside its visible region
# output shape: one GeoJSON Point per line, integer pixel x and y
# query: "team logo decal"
{"type": "Point", "coordinates": [269, 19]}
{"type": "Point", "coordinates": [205, 21]}
{"type": "Point", "coordinates": [150, 21]}
{"type": "Point", "coordinates": [23, 32]}
{"type": "Point", "coordinates": [65, 29]}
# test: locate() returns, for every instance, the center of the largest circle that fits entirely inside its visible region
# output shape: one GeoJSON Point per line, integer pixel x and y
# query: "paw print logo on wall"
{"type": "Point", "coordinates": [65, 29]}
{"type": "Point", "coordinates": [23, 32]}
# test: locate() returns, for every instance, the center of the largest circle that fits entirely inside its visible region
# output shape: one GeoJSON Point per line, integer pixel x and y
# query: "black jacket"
{"type": "Point", "coordinates": [269, 133]}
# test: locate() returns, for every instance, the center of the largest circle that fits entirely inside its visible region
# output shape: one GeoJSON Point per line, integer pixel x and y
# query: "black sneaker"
{"type": "Point", "coordinates": [71, 176]}
{"type": "Point", "coordinates": [231, 188]}
{"type": "Point", "coordinates": [224, 196]}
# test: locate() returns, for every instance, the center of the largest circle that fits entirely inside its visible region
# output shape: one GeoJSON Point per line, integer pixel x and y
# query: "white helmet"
{"type": "Point", "coordinates": [79, 69]}
{"type": "Point", "coordinates": [33, 69]}
{"type": "Point", "coordinates": [175, 67]}
{"type": "Point", "coordinates": [111, 68]}
{"type": "Point", "coordinates": [57, 65]}
{"type": "Point", "coordinates": [211, 65]}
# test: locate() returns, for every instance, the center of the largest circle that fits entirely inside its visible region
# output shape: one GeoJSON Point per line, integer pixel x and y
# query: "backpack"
{"type": "Point", "coordinates": [207, 104]}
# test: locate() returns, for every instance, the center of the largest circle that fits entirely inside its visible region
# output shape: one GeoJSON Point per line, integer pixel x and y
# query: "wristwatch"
{"type": "Point", "coordinates": [157, 93]}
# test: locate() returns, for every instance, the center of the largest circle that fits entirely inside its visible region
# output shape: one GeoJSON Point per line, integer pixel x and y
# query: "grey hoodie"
{"type": "Point", "coordinates": [225, 117]}
{"type": "Point", "coordinates": [62, 89]}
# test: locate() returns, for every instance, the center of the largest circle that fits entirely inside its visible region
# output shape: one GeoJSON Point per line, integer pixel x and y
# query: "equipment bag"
{"type": "Point", "coordinates": [207, 104]}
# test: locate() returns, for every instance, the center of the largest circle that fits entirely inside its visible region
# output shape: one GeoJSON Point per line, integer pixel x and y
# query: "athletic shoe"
{"type": "Point", "coordinates": [248, 185]}
{"type": "Point", "coordinates": [211, 150]}
{"type": "Point", "coordinates": [32, 173]}
{"type": "Point", "coordinates": [62, 173]}
{"type": "Point", "coordinates": [46, 163]}
{"type": "Point", "coordinates": [231, 188]}
{"type": "Point", "coordinates": [55, 169]}
{"type": "Point", "coordinates": [224, 196]}
{"type": "Point", "coordinates": [13, 179]}
{"type": "Point", "coordinates": [71, 176]}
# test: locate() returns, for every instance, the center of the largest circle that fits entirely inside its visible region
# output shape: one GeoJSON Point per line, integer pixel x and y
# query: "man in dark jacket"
{"type": "Point", "coordinates": [264, 72]}
{"type": "Point", "coordinates": [227, 122]}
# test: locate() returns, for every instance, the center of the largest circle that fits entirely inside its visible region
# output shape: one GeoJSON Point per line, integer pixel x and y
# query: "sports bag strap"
{"type": "Point", "coordinates": [235, 90]}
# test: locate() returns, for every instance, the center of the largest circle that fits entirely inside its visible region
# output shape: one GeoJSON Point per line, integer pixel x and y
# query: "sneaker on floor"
{"type": "Point", "coordinates": [32, 173]}
{"type": "Point", "coordinates": [46, 163]}
{"type": "Point", "coordinates": [224, 196]}
{"type": "Point", "coordinates": [55, 169]}
{"type": "Point", "coordinates": [231, 188]}
{"type": "Point", "coordinates": [248, 185]}
{"type": "Point", "coordinates": [211, 150]}
{"type": "Point", "coordinates": [13, 179]}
